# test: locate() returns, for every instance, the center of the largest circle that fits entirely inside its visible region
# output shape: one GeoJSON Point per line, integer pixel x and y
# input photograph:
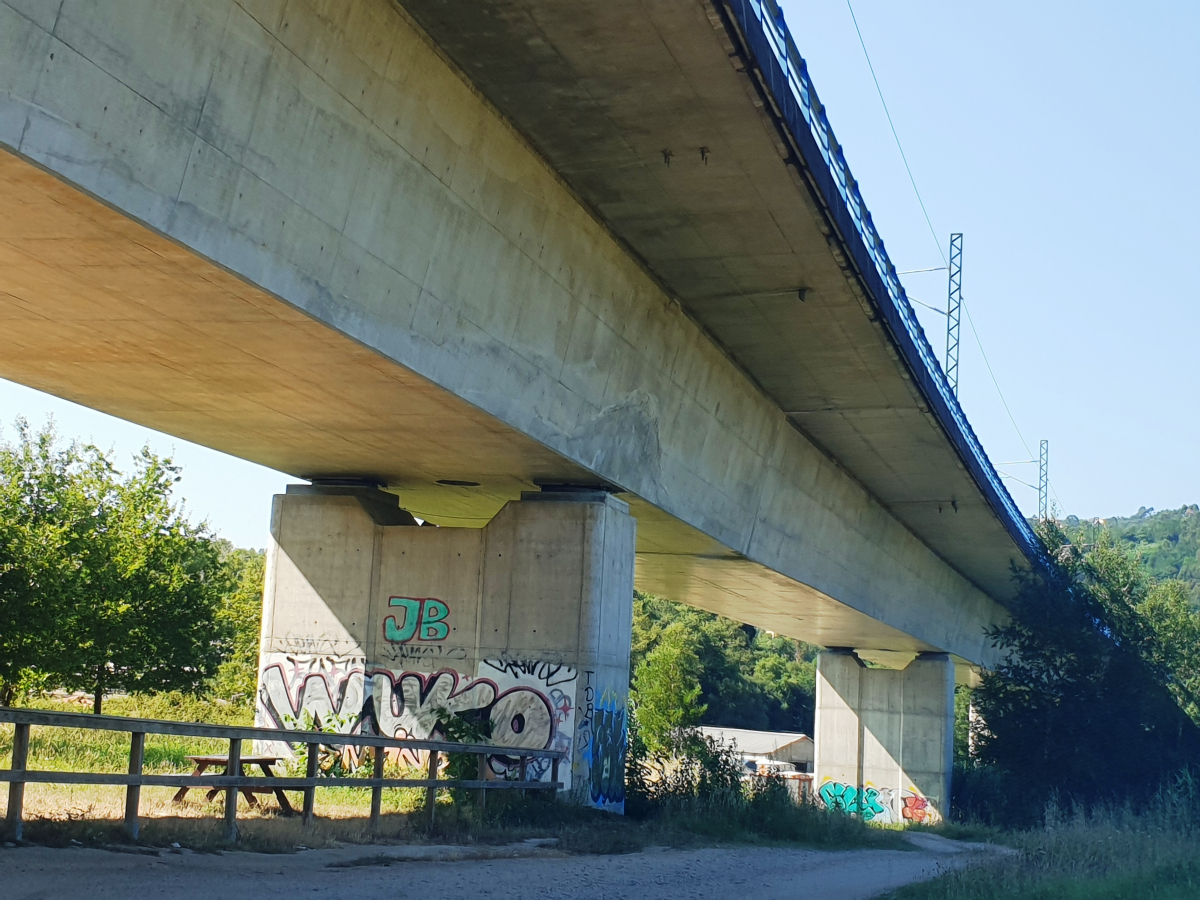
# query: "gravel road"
{"type": "Point", "coordinates": [394, 873]}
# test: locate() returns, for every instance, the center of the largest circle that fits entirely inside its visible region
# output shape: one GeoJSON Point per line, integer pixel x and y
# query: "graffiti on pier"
{"type": "Point", "coordinates": [848, 798]}
{"type": "Point", "coordinates": [423, 618]}
{"type": "Point", "coordinates": [883, 805]}
{"type": "Point", "coordinates": [329, 687]}
{"type": "Point", "coordinates": [548, 673]}
{"type": "Point", "coordinates": [516, 719]}
{"type": "Point", "coordinates": [426, 652]}
{"type": "Point", "coordinates": [527, 705]}
{"type": "Point", "coordinates": [919, 810]}
{"type": "Point", "coordinates": [607, 750]}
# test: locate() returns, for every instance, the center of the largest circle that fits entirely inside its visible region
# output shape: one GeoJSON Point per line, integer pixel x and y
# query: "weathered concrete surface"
{"type": "Point", "coordinates": [523, 624]}
{"type": "Point", "coordinates": [350, 264]}
{"type": "Point", "coordinates": [763, 873]}
{"type": "Point", "coordinates": [885, 738]}
{"type": "Point", "coordinates": [662, 118]}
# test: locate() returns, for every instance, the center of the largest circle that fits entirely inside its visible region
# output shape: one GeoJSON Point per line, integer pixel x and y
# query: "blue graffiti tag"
{"type": "Point", "coordinates": [848, 798]}
{"type": "Point", "coordinates": [607, 751]}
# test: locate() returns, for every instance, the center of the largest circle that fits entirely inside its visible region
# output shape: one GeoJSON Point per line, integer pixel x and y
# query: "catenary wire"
{"type": "Point", "coordinates": [1018, 480]}
{"type": "Point", "coordinates": [886, 112]}
{"type": "Point", "coordinates": [933, 233]}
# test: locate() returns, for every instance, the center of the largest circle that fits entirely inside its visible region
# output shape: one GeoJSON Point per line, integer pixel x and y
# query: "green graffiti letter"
{"type": "Point", "coordinates": [404, 631]}
{"type": "Point", "coordinates": [871, 807]}
{"type": "Point", "coordinates": [433, 624]}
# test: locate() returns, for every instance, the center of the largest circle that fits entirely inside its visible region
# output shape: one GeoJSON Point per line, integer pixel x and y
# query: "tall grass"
{"type": "Point", "coordinates": [1105, 851]}
{"type": "Point", "coordinates": [697, 785]}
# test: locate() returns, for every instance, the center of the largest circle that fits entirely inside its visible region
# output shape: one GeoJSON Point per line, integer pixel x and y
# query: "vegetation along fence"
{"type": "Point", "coordinates": [233, 781]}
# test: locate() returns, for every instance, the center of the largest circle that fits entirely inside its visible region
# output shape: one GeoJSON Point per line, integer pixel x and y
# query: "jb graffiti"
{"type": "Point", "coordinates": [420, 618]}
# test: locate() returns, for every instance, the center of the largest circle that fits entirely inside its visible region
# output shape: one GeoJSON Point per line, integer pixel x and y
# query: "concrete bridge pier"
{"type": "Point", "coordinates": [523, 626]}
{"type": "Point", "coordinates": [885, 737]}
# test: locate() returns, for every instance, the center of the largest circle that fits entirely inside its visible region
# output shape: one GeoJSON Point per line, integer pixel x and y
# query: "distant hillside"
{"type": "Point", "coordinates": [1168, 540]}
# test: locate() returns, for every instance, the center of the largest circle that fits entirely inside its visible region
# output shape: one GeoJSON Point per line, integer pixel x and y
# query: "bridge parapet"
{"type": "Point", "coordinates": [768, 37]}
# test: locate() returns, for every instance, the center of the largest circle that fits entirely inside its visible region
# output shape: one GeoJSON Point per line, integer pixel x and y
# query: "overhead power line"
{"type": "Point", "coordinates": [912, 299]}
{"type": "Point", "coordinates": [933, 233]}
{"type": "Point", "coordinates": [879, 90]}
{"type": "Point", "coordinates": [930, 269]}
{"type": "Point", "coordinates": [995, 383]}
{"type": "Point", "coordinates": [1018, 480]}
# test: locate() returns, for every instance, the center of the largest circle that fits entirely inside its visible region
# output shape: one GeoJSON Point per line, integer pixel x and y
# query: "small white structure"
{"type": "Point", "coordinates": [776, 746]}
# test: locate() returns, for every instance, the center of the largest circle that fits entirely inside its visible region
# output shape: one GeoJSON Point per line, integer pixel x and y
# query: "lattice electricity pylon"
{"type": "Point", "coordinates": [1044, 481]}
{"type": "Point", "coordinates": [953, 307]}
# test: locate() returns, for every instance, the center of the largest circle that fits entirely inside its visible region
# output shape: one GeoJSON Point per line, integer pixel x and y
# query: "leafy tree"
{"type": "Point", "coordinates": [1166, 541]}
{"type": "Point", "coordinates": [1089, 701]}
{"type": "Point", "coordinates": [1175, 650]}
{"type": "Point", "coordinates": [143, 611]}
{"type": "Point", "coordinates": [790, 686]}
{"type": "Point", "coordinates": [241, 618]}
{"type": "Point", "coordinates": [962, 724]}
{"type": "Point", "coordinates": [104, 583]}
{"type": "Point", "coordinates": [666, 687]}
{"type": "Point", "coordinates": [46, 500]}
{"type": "Point", "coordinates": [748, 678]}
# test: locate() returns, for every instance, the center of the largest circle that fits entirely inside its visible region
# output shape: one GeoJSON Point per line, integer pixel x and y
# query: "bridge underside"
{"type": "Point", "coordinates": [310, 242]}
{"type": "Point", "coordinates": [99, 310]}
{"type": "Point", "coordinates": [657, 116]}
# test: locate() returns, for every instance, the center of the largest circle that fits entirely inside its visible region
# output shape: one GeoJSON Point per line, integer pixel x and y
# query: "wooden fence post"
{"type": "Point", "coordinates": [431, 791]}
{"type": "Point", "coordinates": [133, 793]}
{"type": "Point", "coordinates": [232, 767]}
{"type": "Point", "coordinates": [377, 790]}
{"type": "Point", "coordinates": [16, 789]}
{"type": "Point", "coordinates": [481, 774]}
{"type": "Point", "coordinates": [554, 774]}
{"type": "Point", "coordinates": [310, 792]}
{"type": "Point", "coordinates": [524, 774]}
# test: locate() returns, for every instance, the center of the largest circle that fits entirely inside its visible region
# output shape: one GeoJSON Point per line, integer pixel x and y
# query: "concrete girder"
{"type": "Point", "coordinates": [245, 224]}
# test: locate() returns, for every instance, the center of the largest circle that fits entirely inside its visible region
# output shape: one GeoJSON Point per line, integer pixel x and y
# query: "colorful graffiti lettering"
{"type": "Point", "coordinates": [423, 618]}
{"type": "Point", "coordinates": [883, 805]}
{"type": "Point", "coordinates": [329, 687]}
{"type": "Point", "coordinates": [916, 809]}
{"type": "Point", "coordinates": [607, 751]}
{"type": "Point", "coordinates": [520, 708]}
{"type": "Point", "coordinates": [848, 798]}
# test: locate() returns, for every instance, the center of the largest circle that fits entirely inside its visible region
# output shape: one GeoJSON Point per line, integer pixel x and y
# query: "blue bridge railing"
{"type": "Point", "coordinates": [786, 76]}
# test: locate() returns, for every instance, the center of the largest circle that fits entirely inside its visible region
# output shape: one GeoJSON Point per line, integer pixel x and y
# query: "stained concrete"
{"type": "Point", "coordinates": [296, 233]}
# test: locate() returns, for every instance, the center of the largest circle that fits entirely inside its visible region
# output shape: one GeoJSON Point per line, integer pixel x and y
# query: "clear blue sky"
{"type": "Point", "coordinates": [1061, 139]}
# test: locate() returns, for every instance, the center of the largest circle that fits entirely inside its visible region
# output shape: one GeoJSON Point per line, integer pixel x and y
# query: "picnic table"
{"type": "Point", "coordinates": [203, 763]}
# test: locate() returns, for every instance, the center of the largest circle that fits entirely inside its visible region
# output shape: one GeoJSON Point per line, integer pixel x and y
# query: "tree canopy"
{"type": "Point", "coordinates": [104, 584]}
{"type": "Point", "coordinates": [1166, 541]}
{"type": "Point", "coordinates": [1096, 698]}
{"type": "Point", "coordinates": [691, 667]}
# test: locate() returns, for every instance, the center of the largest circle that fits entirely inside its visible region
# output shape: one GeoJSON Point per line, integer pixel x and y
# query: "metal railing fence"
{"type": "Point", "coordinates": [786, 77]}
{"type": "Point", "coordinates": [18, 775]}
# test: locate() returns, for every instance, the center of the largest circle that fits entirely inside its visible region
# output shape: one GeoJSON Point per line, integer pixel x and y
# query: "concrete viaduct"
{"type": "Point", "coordinates": [588, 285]}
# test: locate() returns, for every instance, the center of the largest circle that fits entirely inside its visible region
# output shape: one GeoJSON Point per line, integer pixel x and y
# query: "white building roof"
{"type": "Point", "coordinates": [754, 743]}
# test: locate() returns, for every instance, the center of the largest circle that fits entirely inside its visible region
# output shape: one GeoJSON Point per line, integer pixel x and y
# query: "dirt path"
{"type": "Point", "coordinates": [367, 873]}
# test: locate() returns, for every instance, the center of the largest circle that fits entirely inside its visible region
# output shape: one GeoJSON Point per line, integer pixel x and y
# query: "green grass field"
{"type": "Point", "coordinates": [57, 814]}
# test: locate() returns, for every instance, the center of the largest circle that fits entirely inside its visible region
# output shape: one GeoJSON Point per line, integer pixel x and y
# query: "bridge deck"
{"type": "Point", "coordinates": [732, 230]}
